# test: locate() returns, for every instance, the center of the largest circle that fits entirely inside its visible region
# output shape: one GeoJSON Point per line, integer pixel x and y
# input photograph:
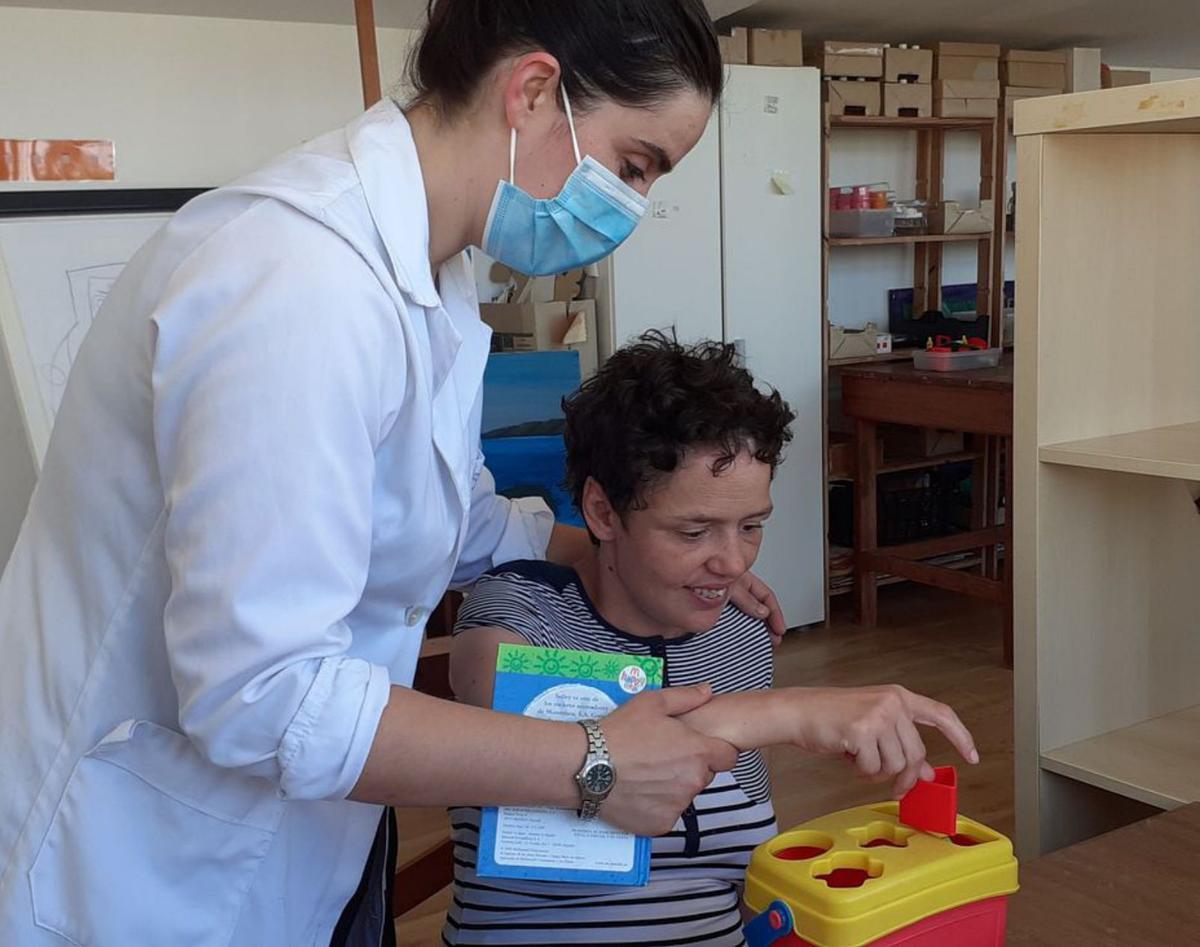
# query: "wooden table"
{"type": "Point", "coordinates": [1138, 885]}
{"type": "Point", "coordinates": [976, 402]}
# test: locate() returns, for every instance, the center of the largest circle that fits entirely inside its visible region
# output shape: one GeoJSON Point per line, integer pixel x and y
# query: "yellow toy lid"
{"type": "Point", "coordinates": [894, 876]}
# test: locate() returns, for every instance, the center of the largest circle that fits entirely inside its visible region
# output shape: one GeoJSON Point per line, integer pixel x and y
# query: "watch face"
{"type": "Point", "coordinates": [599, 778]}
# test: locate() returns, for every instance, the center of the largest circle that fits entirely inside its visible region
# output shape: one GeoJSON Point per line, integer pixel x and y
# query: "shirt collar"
{"type": "Point", "coordinates": [385, 156]}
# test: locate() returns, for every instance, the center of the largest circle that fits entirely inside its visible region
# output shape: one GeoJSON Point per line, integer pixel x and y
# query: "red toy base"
{"type": "Point", "coordinates": [980, 924]}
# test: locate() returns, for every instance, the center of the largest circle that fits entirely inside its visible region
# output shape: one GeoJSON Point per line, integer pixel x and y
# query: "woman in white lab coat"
{"type": "Point", "coordinates": [265, 473]}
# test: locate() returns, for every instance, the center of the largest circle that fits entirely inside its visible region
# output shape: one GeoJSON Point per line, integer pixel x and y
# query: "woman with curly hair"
{"type": "Point", "coordinates": [670, 455]}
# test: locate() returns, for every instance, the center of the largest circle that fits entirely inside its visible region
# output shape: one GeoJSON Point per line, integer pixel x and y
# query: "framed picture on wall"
{"type": "Point", "coordinates": [60, 252]}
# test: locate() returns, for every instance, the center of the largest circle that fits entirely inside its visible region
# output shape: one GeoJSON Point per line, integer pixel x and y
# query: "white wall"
{"type": "Point", "coordinates": [189, 101]}
{"type": "Point", "coordinates": [860, 277]}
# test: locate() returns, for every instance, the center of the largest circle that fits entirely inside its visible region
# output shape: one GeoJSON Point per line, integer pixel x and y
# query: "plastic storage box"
{"type": "Point", "coordinates": [862, 223]}
{"type": "Point", "coordinates": [861, 877]}
{"type": "Point", "coordinates": [956, 361]}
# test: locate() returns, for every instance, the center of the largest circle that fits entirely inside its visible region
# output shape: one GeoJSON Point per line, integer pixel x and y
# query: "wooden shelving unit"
{"type": "Point", "coordinates": [928, 252]}
{"type": "Point", "coordinates": [1107, 695]}
{"type": "Point", "coordinates": [927, 256]}
{"type": "Point", "coordinates": [1156, 762]}
{"type": "Point", "coordinates": [1158, 452]}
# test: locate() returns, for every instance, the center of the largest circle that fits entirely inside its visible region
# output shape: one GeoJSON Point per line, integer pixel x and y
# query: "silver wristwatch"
{"type": "Point", "coordinates": [598, 776]}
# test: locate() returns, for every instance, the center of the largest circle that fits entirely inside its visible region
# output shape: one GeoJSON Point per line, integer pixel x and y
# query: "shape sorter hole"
{"type": "Point", "coordinates": [801, 846]}
{"type": "Point", "coordinates": [966, 841]}
{"type": "Point", "coordinates": [882, 835]}
{"type": "Point", "coordinates": [847, 870]}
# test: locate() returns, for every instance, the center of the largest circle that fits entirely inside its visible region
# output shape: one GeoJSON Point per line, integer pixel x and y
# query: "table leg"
{"type": "Point", "coordinates": [1008, 552]}
{"type": "Point", "coordinates": [982, 499]}
{"type": "Point", "coordinates": [866, 534]}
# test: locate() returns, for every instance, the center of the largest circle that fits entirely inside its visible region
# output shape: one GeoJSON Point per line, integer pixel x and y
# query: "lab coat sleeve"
{"type": "Point", "coordinates": [500, 530]}
{"type": "Point", "coordinates": [274, 351]}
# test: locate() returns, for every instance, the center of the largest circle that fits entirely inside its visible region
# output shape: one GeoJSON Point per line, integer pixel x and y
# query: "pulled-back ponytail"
{"type": "Point", "coordinates": [635, 52]}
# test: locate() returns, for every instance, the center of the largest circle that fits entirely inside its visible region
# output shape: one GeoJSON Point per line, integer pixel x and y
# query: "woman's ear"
{"type": "Point", "coordinates": [598, 512]}
{"type": "Point", "coordinates": [532, 85]}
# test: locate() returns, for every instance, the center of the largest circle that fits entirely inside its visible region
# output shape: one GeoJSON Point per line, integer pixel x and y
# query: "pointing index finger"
{"type": "Point", "coordinates": [930, 713]}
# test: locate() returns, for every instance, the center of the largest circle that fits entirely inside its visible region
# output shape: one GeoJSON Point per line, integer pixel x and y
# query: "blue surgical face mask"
{"type": "Point", "coordinates": [593, 215]}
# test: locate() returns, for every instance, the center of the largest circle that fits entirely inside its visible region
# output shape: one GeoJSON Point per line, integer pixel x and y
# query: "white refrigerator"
{"type": "Point", "coordinates": [731, 249]}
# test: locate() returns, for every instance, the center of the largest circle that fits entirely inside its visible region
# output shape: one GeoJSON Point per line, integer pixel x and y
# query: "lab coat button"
{"type": "Point", "coordinates": [416, 616]}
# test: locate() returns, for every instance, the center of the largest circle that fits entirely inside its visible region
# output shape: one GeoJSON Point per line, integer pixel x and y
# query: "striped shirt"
{"type": "Point", "coordinates": [697, 868]}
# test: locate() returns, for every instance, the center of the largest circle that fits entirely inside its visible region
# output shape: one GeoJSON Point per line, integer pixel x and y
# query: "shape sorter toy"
{"type": "Point", "coordinates": [862, 876]}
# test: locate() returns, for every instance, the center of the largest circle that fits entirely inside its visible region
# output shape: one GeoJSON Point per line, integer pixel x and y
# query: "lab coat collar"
{"type": "Point", "coordinates": [385, 156]}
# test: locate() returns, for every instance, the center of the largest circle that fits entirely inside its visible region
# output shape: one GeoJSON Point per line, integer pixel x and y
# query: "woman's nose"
{"type": "Point", "coordinates": [729, 560]}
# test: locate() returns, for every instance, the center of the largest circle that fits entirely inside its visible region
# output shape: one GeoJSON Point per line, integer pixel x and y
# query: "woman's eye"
{"type": "Point", "coordinates": [693, 534]}
{"type": "Point", "coordinates": [753, 527]}
{"type": "Point", "coordinates": [631, 172]}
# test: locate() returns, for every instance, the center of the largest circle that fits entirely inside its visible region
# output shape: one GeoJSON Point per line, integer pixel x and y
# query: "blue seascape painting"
{"type": "Point", "coordinates": [522, 425]}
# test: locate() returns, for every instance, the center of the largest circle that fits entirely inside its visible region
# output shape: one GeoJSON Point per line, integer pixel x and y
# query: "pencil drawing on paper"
{"type": "Point", "coordinates": [89, 287]}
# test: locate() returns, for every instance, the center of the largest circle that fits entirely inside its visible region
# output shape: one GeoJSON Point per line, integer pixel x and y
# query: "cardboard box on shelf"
{"type": "Point", "coordinates": [852, 343]}
{"type": "Point", "coordinates": [850, 97]}
{"type": "Point", "coordinates": [735, 46]}
{"type": "Point", "coordinates": [913, 65]}
{"type": "Point", "coordinates": [966, 108]}
{"type": "Point", "coordinates": [950, 217]}
{"type": "Point", "coordinates": [979, 50]}
{"type": "Point", "coordinates": [1038, 75]}
{"type": "Point", "coordinates": [1116, 78]}
{"type": "Point", "coordinates": [853, 47]}
{"type": "Point", "coordinates": [966, 89]}
{"type": "Point", "coordinates": [907, 100]}
{"type": "Point", "coordinates": [967, 67]}
{"type": "Point", "coordinates": [547, 327]}
{"type": "Point", "coordinates": [775, 47]}
{"type": "Point", "coordinates": [1035, 55]}
{"type": "Point", "coordinates": [854, 60]}
{"type": "Point", "coordinates": [1083, 69]}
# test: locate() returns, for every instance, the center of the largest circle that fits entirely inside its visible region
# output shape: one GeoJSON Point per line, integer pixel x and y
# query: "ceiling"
{"type": "Point", "coordinates": [1143, 33]}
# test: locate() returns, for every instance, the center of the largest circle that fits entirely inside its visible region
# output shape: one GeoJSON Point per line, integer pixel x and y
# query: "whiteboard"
{"type": "Point", "coordinates": [54, 274]}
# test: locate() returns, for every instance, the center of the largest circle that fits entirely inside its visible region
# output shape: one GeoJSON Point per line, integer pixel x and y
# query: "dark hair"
{"type": "Point", "coordinates": [632, 422]}
{"type": "Point", "coordinates": [635, 52]}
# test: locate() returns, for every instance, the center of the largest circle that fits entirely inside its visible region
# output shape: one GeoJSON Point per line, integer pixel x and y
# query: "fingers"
{"type": "Point", "coordinates": [866, 758]}
{"type": "Point", "coordinates": [891, 755]}
{"type": "Point", "coordinates": [930, 713]}
{"type": "Point", "coordinates": [676, 701]}
{"type": "Point", "coordinates": [719, 755]}
{"type": "Point", "coordinates": [914, 758]}
{"type": "Point", "coordinates": [776, 623]}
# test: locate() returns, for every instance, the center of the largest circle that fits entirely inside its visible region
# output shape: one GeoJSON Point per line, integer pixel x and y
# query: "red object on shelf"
{"type": "Point", "coordinates": [979, 924]}
{"type": "Point", "coordinates": [933, 807]}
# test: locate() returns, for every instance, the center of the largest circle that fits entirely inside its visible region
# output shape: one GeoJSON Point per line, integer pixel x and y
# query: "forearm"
{"type": "Point", "coordinates": [568, 544]}
{"type": "Point", "coordinates": [750, 720]}
{"type": "Point", "coordinates": [430, 752]}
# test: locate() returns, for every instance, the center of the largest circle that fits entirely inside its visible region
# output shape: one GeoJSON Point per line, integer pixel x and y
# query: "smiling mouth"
{"type": "Point", "coordinates": [708, 594]}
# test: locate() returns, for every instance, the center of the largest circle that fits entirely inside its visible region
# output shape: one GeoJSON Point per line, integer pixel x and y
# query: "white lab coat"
{"type": "Point", "coordinates": [264, 474]}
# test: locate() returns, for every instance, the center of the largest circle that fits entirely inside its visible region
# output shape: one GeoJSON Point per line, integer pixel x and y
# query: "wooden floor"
{"type": "Point", "coordinates": [934, 642]}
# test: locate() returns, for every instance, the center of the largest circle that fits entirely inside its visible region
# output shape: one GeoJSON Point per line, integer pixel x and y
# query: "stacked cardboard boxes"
{"type": "Point", "coordinates": [853, 72]}
{"type": "Point", "coordinates": [775, 47]}
{"type": "Point", "coordinates": [735, 46]}
{"type": "Point", "coordinates": [544, 314]}
{"type": "Point", "coordinates": [907, 82]}
{"type": "Point", "coordinates": [1034, 69]}
{"type": "Point", "coordinates": [967, 83]}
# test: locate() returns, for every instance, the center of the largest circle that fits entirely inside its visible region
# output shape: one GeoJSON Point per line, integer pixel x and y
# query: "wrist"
{"type": "Point", "coordinates": [796, 708]}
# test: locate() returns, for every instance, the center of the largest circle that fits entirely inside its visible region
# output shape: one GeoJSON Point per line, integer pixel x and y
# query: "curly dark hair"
{"type": "Point", "coordinates": [632, 422]}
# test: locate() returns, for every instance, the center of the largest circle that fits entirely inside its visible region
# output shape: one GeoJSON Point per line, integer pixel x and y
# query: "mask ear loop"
{"type": "Point", "coordinates": [512, 158]}
{"type": "Point", "coordinates": [571, 124]}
